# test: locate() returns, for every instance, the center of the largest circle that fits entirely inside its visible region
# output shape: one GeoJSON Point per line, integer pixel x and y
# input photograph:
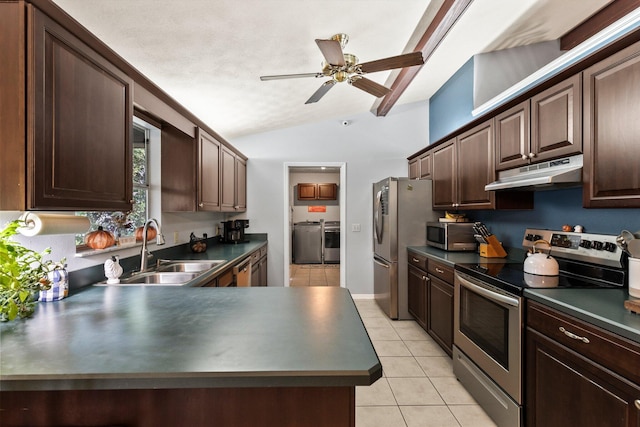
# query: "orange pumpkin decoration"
{"type": "Point", "coordinates": [151, 233]}
{"type": "Point", "coordinates": [100, 239]}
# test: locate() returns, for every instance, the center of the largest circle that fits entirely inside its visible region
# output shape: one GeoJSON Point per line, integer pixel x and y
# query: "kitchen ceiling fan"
{"type": "Point", "coordinates": [343, 67]}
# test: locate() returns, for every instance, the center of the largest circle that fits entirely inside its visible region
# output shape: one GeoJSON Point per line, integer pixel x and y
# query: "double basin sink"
{"type": "Point", "coordinates": [172, 272]}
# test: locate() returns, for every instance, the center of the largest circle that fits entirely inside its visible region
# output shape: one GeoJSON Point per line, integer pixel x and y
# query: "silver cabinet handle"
{"type": "Point", "coordinates": [525, 157]}
{"type": "Point", "coordinates": [637, 403]}
{"type": "Point", "coordinates": [439, 270]}
{"type": "Point", "coordinates": [201, 205]}
{"type": "Point", "coordinates": [532, 155]}
{"type": "Point", "coordinates": [573, 336]}
{"type": "Point", "coordinates": [415, 260]}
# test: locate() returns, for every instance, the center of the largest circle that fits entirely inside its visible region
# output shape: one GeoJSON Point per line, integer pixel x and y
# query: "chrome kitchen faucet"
{"type": "Point", "coordinates": [145, 255]}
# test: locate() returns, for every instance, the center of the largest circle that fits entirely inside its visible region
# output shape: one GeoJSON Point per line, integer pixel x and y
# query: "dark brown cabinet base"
{"type": "Point", "coordinates": [205, 407]}
{"type": "Point", "coordinates": [577, 374]}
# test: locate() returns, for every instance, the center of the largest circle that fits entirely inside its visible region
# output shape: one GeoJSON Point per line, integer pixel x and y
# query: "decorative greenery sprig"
{"type": "Point", "coordinates": [23, 273]}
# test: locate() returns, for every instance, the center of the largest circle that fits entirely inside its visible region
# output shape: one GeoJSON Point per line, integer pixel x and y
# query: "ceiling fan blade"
{"type": "Point", "coordinates": [291, 76]}
{"type": "Point", "coordinates": [400, 61]}
{"type": "Point", "coordinates": [321, 91]}
{"type": "Point", "coordinates": [369, 86]}
{"type": "Point", "coordinates": [332, 51]}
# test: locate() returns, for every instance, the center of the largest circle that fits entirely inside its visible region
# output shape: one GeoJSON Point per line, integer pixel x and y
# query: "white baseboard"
{"type": "Point", "coordinates": [363, 296]}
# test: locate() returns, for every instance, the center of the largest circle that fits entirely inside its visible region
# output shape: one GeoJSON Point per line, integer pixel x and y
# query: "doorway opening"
{"type": "Point", "coordinates": [319, 217]}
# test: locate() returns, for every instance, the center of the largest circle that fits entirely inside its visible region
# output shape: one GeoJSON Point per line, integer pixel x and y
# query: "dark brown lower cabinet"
{"type": "Point", "coordinates": [440, 315]}
{"type": "Point", "coordinates": [202, 407]}
{"type": "Point", "coordinates": [578, 379]}
{"type": "Point", "coordinates": [417, 292]}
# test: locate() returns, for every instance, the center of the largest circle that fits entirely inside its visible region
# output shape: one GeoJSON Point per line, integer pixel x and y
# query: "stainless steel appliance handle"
{"type": "Point", "coordinates": [488, 293]}
{"type": "Point", "coordinates": [377, 218]}
{"type": "Point", "coordinates": [381, 263]}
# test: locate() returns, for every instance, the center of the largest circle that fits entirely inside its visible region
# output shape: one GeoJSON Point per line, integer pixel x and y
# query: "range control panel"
{"type": "Point", "coordinates": [594, 248]}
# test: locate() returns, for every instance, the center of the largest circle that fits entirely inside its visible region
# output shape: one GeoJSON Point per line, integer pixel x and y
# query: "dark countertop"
{"type": "Point", "coordinates": [456, 257]}
{"type": "Point", "coordinates": [231, 253]}
{"type": "Point", "coordinates": [169, 337]}
{"type": "Point", "coordinates": [600, 307]}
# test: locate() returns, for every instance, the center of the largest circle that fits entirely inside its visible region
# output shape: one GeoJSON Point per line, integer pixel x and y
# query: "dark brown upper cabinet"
{"type": "Point", "coordinates": [233, 183]}
{"type": "Point", "coordinates": [209, 153]}
{"type": "Point", "coordinates": [556, 121]}
{"type": "Point", "coordinates": [74, 115]}
{"type": "Point", "coordinates": [547, 126]}
{"type": "Point", "coordinates": [463, 166]}
{"type": "Point", "coordinates": [178, 171]}
{"type": "Point", "coordinates": [611, 176]}
{"type": "Point", "coordinates": [311, 191]}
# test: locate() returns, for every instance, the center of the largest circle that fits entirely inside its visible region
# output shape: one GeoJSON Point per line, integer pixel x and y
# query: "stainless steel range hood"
{"type": "Point", "coordinates": [554, 174]}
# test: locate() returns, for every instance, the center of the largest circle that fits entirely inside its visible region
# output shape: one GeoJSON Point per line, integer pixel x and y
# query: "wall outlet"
{"type": "Point", "coordinates": [176, 237]}
{"type": "Point", "coordinates": [355, 227]}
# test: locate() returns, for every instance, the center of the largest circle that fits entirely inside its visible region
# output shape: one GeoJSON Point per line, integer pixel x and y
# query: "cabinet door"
{"type": "Point", "coordinates": [556, 121]}
{"type": "Point", "coordinates": [208, 172]}
{"type": "Point", "coordinates": [241, 185]}
{"type": "Point", "coordinates": [414, 169]}
{"type": "Point", "coordinates": [327, 191]}
{"type": "Point", "coordinates": [512, 137]}
{"type": "Point", "coordinates": [307, 191]}
{"type": "Point", "coordinates": [566, 389]}
{"type": "Point", "coordinates": [417, 294]}
{"type": "Point", "coordinates": [611, 176]}
{"type": "Point", "coordinates": [227, 179]}
{"type": "Point", "coordinates": [444, 176]}
{"type": "Point", "coordinates": [440, 313]}
{"type": "Point", "coordinates": [177, 171]}
{"type": "Point", "coordinates": [475, 154]}
{"type": "Point", "coordinates": [426, 165]}
{"type": "Point", "coordinates": [80, 109]}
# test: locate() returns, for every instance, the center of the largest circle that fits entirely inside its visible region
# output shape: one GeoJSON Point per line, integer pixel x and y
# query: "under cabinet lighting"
{"type": "Point", "coordinates": [621, 27]}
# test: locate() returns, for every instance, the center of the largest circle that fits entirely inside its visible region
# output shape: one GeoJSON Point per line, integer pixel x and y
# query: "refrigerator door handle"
{"type": "Point", "coordinates": [385, 265]}
{"type": "Point", "coordinates": [377, 218]}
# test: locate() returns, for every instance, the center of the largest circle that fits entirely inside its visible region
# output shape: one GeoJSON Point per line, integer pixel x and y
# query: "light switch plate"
{"type": "Point", "coordinates": [355, 227]}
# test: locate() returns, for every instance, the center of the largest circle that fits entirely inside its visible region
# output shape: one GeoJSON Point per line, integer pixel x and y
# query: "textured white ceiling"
{"type": "Point", "coordinates": [209, 54]}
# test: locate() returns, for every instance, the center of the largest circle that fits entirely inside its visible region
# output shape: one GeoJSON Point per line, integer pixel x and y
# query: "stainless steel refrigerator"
{"type": "Point", "coordinates": [401, 210]}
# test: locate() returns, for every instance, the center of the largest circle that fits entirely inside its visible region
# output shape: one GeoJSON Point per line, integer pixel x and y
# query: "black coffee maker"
{"type": "Point", "coordinates": [234, 231]}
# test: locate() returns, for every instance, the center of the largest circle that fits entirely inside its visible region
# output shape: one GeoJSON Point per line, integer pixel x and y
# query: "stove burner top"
{"type": "Point", "coordinates": [512, 278]}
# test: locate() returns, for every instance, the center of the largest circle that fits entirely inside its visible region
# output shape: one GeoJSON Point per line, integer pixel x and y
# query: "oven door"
{"type": "Point", "coordinates": [488, 329]}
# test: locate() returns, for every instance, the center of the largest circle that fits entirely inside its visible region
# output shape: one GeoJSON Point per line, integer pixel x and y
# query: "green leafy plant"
{"type": "Point", "coordinates": [23, 273]}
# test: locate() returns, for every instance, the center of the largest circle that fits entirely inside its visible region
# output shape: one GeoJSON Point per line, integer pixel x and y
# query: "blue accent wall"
{"type": "Point", "coordinates": [450, 107]}
{"type": "Point", "coordinates": [553, 209]}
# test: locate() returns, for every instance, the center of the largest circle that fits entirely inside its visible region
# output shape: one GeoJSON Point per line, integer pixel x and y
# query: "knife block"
{"type": "Point", "coordinates": [492, 249]}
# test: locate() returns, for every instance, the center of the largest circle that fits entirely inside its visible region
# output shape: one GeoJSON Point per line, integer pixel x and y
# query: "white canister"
{"type": "Point", "coordinates": [634, 277]}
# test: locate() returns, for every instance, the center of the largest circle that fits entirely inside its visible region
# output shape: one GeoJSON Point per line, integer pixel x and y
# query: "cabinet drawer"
{"type": "Point", "coordinates": [263, 251]}
{"type": "Point", "coordinates": [610, 350]}
{"type": "Point", "coordinates": [418, 260]}
{"type": "Point", "coordinates": [255, 256]}
{"type": "Point", "coordinates": [225, 279]}
{"type": "Point", "coordinates": [441, 271]}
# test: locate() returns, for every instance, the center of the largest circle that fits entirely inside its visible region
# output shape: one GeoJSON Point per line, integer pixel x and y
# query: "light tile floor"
{"type": "Point", "coordinates": [314, 275]}
{"type": "Point", "coordinates": [418, 388]}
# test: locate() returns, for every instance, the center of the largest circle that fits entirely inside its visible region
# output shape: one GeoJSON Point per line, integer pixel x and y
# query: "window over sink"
{"type": "Point", "coordinates": [124, 224]}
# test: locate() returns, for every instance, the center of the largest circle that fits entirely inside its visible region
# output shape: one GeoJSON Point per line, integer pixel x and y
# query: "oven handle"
{"type": "Point", "coordinates": [488, 294]}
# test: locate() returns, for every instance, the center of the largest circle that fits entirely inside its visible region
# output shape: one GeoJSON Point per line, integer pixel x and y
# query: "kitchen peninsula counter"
{"type": "Point", "coordinates": [172, 345]}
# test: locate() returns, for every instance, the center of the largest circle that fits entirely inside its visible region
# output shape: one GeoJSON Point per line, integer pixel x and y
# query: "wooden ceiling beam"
{"type": "Point", "coordinates": [597, 22]}
{"type": "Point", "coordinates": [443, 21]}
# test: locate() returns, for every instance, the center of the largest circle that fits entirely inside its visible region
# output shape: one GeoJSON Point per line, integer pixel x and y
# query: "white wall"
{"type": "Point", "coordinates": [372, 148]}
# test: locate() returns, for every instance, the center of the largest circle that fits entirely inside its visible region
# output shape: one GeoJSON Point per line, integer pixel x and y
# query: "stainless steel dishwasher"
{"type": "Point", "coordinates": [307, 242]}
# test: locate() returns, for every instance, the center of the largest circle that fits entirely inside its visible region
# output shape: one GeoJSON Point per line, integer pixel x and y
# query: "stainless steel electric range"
{"type": "Point", "coordinates": [489, 307]}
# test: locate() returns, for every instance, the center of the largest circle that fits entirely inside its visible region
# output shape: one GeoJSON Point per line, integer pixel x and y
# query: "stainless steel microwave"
{"type": "Point", "coordinates": [451, 236]}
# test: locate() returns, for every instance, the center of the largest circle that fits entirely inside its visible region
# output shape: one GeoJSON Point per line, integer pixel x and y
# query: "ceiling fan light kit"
{"type": "Point", "coordinates": [341, 67]}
